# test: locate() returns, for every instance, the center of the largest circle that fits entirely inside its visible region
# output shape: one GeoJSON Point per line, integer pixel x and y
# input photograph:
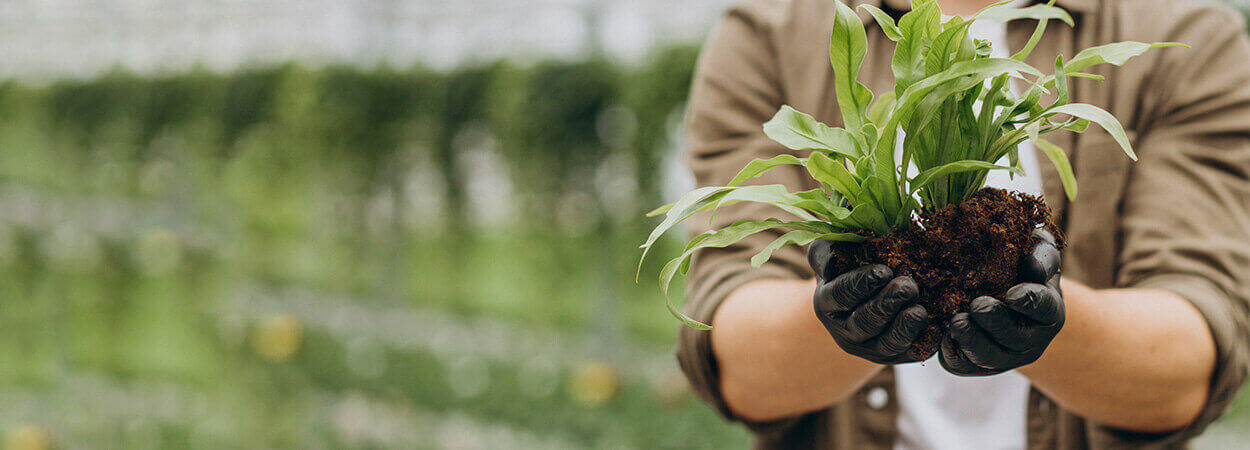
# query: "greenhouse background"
{"type": "Point", "coordinates": [327, 224]}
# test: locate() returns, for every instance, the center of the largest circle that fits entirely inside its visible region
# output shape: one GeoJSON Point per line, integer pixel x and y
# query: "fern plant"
{"type": "Point", "coordinates": [951, 104]}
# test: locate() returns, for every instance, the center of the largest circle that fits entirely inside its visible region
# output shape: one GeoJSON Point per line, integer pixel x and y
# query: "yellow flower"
{"type": "Point", "coordinates": [278, 338]}
{"type": "Point", "coordinates": [27, 437]}
{"type": "Point", "coordinates": [594, 384]}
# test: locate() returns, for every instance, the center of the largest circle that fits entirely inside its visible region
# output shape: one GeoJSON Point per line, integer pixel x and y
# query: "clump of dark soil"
{"type": "Point", "coordinates": [957, 253]}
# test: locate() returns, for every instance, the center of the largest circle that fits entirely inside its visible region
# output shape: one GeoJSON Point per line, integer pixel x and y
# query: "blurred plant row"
{"type": "Point", "coordinates": [358, 133]}
{"type": "Point", "coordinates": [321, 175]}
{"type": "Point", "coordinates": [424, 218]}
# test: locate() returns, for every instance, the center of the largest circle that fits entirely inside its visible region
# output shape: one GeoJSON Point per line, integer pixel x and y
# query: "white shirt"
{"type": "Point", "coordinates": [938, 410]}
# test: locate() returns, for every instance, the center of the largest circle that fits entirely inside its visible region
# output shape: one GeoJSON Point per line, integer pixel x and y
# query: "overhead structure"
{"type": "Point", "coordinates": [80, 38]}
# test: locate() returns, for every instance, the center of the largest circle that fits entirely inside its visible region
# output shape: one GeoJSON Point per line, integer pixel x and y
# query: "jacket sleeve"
{"type": "Point", "coordinates": [1186, 211]}
{"type": "Point", "coordinates": [735, 90]}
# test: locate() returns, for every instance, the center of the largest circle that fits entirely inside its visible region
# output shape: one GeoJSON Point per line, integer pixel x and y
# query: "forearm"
{"type": "Point", "coordinates": [1128, 358]}
{"type": "Point", "coordinates": [775, 358]}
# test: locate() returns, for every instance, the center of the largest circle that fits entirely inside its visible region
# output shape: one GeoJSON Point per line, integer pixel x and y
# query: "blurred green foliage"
{"type": "Point", "coordinates": [149, 222]}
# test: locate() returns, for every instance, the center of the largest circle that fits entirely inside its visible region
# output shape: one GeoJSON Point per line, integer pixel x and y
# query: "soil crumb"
{"type": "Point", "coordinates": [957, 253]}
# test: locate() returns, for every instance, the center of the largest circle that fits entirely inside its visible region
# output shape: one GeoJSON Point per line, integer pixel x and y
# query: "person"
{"type": "Point", "coordinates": [1135, 335]}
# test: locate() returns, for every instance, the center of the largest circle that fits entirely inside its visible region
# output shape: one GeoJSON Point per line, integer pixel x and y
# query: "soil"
{"type": "Point", "coordinates": [957, 253]}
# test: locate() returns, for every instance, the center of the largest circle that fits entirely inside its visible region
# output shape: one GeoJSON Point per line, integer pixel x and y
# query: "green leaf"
{"type": "Point", "coordinates": [1101, 117]}
{"type": "Point", "coordinates": [980, 69]}
{"type": "Point", "coordinates": [863, 166]}
{"type": "Point", "coordinates": [721, 238]}
{"type": "Point", "coordinates": [928, 108]}
{"type": "Point", "coordinates": [868, 133]}
{"type": "Point", "coordinates": [817, 200]}
{"type": "Point", "coordinates": [1025, 104]}
{"type": "Point", "coordinates": [884, 190]}
{"type": "Point", "coordinates": [758, 166]}
{"type": "Point", "coordinates": [816, 204]}
{"type": "Point", "coordinates": [884, 21]}
{"type": "Point", "coordinates": [847, 46]}
{"type": "Point", "coordinates": [880, 110]}
{"type": "Point", "coordinates": [814, 226]}
{"type": "Point", "coordinates": [1117, 54]}
{"type": "Point", "coordinates": [909, 206]}
{"type": "Point", "coordinates": [833, 174]}
{"type": "Point", "coordinates": [688, 205]}
{"type": "Point", "coordinates": [1060, 160]}
{"type": "Point", "coordinates": [1078, 125]}
{"type": "Point", "coordinates": [1034, 38]}
{"type": "Point", "coordinates": [966, 165]}
{"type": "Point", "coordinates": [666, 278]}
{"type": "Point", "coordinates": [1088, 76]}
{"type": "Point", "coordinates": [799, 237]}
{"type": "Point", "coordinates": [1005, 12]}
{"type": "Point", "coordinates": [1061, 82]}
{"type": "Point", "coordinates": [982, 47]}
{"type": "Point", "coordinates": [798, 131]}
{"type": "Point", "coordinates": [987, 125]}
{"type": "Point", "coordinates": [915, 27]}
{"type": "Point", "coordinates": [884, 194]}
{"type": "Point", "coordinates": [947, 45]}
{"type": "Point", "coordinates": [870, 218]}
{"type": "Point", "coordinates": [660, 210]}
{"type": "Point", "coordinates": [771, 194]}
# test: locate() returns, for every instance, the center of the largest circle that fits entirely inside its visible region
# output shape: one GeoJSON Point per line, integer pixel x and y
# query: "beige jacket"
{"type": "Point", "coordinates": [1179, 219]}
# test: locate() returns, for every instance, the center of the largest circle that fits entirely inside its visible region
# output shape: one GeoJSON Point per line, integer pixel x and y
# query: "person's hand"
{"type": "Point", "coordinates": [995, 336]}
{"type": "Point", "coordinates": [869, 312]}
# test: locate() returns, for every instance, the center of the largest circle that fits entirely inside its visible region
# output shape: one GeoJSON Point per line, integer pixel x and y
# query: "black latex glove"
{"type": "Point", "coordinates": [995, 336]}
{"type": "Point", "coordinates": [869, 312]}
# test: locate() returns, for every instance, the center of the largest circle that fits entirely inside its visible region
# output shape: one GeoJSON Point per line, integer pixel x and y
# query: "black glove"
{"type": "Point", "coordinates": [870, 313]}
{"type": "Point", "coordinates": [995, 336]}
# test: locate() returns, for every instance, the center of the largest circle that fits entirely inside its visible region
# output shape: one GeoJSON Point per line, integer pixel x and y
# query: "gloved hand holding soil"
{"type": "Point", "coordinates": [912, 253]}
{"type": "Point", "coordinates": [957, 254]}
{"type": "Point", "coordinates": [1000, 334]}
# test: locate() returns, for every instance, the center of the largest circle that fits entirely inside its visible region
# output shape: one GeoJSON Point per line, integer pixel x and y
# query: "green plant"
{"type": "Point", "coordinates": [951, 101]}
